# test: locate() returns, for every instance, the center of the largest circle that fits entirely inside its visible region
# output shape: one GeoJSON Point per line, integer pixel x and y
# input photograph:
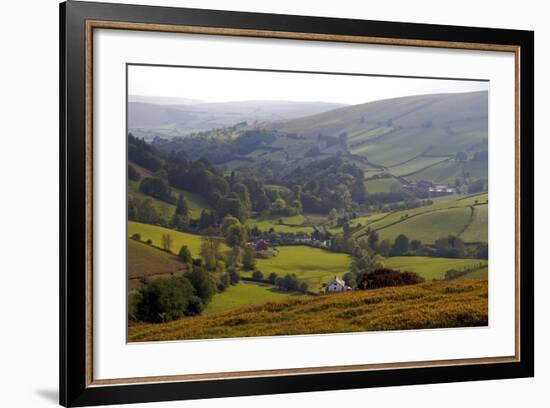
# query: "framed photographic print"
{"type": "Point", "coordinates": [256, 203]}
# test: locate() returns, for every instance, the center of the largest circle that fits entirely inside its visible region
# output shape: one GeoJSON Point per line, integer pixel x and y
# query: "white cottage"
{"type": "Point", "coordinates": [337, 285]}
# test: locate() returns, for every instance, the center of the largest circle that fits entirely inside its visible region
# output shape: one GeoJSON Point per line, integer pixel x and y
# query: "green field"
{"type": "Point", "coordinates": [448, 215]}
{"type": "Point", "coordinates": [481, 273]}
{"type": "Point", "coordinates": [415, 165]}
{"type": "Point", "coordinates": [245, 293]}
{"type": "Point", "coordinates": [432, 268]}
{"type": "Point", "coordinates": [448, 171]}
{"type": "Point", "coordinates": [382, 185]}
{"type": "Point", "coordinates": [311, 265]}
{"type": "Point", "coordinates": [430, 226]}
{"type": "Point", "coordinates": [398, 216]}
{"type": "Point", "coordinates": [155, 233]}
{"type": "Point", "coordinates": [478, 229]}
{"type": "Point", "coordinates": [281, 224]}
{"type": "Point", "coordinates": [195, 202]}
{"type": "Point", "coordinates": [474, 199]}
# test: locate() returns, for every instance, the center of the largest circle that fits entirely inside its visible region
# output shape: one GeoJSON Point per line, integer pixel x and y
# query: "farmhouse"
{"type": "Point", "coordinates": [261, 245]}
{"type": "Point", "coordinates": [337, 285]}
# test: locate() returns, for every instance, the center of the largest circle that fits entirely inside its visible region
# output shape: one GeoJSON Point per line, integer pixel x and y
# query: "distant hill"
{"type": "Point", "coordinates": [410, 138]}
{"type": "Point", "coordinates": [163, 100]}
{"type": "Point", "coordinates": [146, 119]}
{"type": "Point", "coordinates": [395, 130]}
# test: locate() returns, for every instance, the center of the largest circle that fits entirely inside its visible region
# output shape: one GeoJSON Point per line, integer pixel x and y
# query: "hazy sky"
{"type": "Point", "coordinates": [214, 85]}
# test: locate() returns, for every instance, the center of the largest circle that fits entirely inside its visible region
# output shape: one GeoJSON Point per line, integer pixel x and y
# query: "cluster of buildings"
{"type": "Point", "coordinates": [429, 186]}
{"type": "Point", "coordinates": [262, 244]}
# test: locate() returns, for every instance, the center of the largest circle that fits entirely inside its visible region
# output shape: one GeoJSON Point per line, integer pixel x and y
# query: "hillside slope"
{"type": "Point", "coordinates": [393, 131]}
{"type": "Point", "coordinates": [430, 305]}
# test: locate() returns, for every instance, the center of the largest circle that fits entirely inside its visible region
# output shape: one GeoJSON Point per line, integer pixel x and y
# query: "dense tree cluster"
{"type": "Point", "coordinates": [329, 183]}
{"type": "Point", "coordinates": [143, 154]}
{"type": "Point", "coordinates": [381, 278]}
{"type": "Point", "coordinates": [158, 188]}
{"type": "Point", "coordinates": [166, 299]}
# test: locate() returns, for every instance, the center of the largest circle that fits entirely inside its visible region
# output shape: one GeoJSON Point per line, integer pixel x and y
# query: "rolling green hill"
{"type": "Point", "coordinates": [459, 303]}
{"type": "Point", "coordinates": [396, 130]}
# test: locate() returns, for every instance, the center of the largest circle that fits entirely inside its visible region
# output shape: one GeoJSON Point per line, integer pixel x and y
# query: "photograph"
{"type": "Point", "coordinates": [276, 203]}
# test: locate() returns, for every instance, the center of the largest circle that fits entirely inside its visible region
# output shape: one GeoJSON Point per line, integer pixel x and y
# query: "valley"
{"type": "Point", "coordinates": [258, 211]}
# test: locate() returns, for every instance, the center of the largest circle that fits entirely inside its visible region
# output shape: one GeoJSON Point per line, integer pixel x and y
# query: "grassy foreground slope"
{"type": "Point", "coordinates": [461, 303]}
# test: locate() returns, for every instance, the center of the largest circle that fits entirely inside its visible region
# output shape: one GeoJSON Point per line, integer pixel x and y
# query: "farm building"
{"type": "Point", "coordinates": [337, 285]}
{"type": "Point", "coordinates": [442, 189]}
{"type": "Point", "coordinates": [261, 246]}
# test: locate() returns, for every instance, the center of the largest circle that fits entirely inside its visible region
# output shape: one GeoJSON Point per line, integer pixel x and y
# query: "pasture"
{"type": "Point", "coordinates": [448, 215]}
{"type": "Point", "coordinates": [245, 293]}
{"type": "Point", "coordinates": [448, 171]}
{"type": "Point", "coordinates": [382, 185]}
{"type": "Point", "coordinates": [478, 229]}
{"type": "Point", "coordinates": [429, 226]}
{"type": "Point", "coordinates": [291, 224]}
{"type": "Point", "coordinates": [446, 304]}
{"type": "Point", "coordinates": [311, 265]}
{"type": "Point", "coordinates": [432, 268]}
{"type": "Point", "coordinates": [415, 165]}
{"type": "Point", "coordinates": [155, 234]}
